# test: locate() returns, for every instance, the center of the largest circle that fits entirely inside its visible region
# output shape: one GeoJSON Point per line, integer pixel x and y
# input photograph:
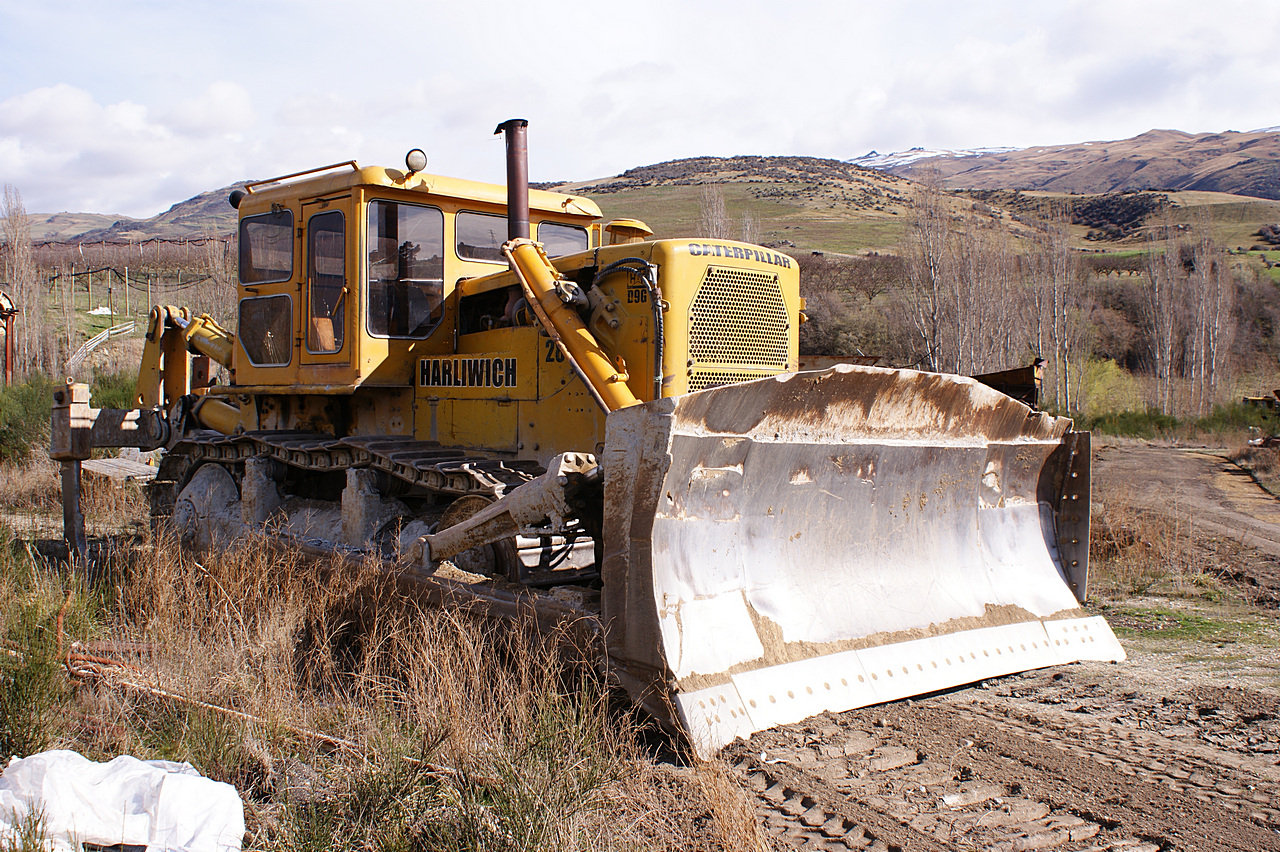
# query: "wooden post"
{"type": "Point", "coordinates": [72, 517]}
{"type": "Point", "coordinates": [8, 349]}
{"type": "Point", "coordinates": [126, 292]}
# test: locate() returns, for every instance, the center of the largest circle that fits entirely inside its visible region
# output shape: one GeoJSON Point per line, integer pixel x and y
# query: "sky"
{"type": "Point", "coordinates": [130, 106]}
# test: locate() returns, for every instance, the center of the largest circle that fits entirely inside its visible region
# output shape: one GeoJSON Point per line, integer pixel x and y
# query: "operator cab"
{"type": "Point", "coordinates": [347, 272]}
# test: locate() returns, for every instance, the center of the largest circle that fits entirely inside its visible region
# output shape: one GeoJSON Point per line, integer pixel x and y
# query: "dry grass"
{"type": "Point", "coordinates": [732, 816]}
{"type": "Point", "coordinates": [1135, 549]}
{"type": "Point", "coordinates": [31, 486]}
{"type": "Point", "coordinates": [346, 716]}
{"type": "Point", "coordinates": [1262, 463]}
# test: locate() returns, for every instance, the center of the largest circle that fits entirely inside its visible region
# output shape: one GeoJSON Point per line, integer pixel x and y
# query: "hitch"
{"type": "Point", "coordinates": [76, 429]}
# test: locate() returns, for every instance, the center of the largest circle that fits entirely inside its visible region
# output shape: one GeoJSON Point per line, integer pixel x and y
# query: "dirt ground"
{"type": "Point", "coordinates": [1215, 497]}
{"type": "Point", "coordinates": [1177, 748]}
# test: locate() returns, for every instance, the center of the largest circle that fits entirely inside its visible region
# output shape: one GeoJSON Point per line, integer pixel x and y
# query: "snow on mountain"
{"type": "Point", "coordinates": [885, 162]}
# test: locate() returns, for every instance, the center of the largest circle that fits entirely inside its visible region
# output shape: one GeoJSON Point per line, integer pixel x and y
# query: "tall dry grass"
{"type": "Point", "coordinates": [347, 716]}
{"type": "Point", "coordinates": [1262, 463]}
{"type": "Point", "coordinates": [1136, 548]}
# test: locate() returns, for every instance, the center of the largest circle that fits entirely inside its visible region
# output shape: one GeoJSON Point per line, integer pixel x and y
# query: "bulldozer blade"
{"type": "Point", "coordinates": [829, 540]}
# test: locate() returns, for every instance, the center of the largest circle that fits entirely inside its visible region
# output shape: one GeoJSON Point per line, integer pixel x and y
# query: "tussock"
{"type": "Point", "coordinates": [348, 716]}
{"type": "Point", "coordinates": [1136, 549]}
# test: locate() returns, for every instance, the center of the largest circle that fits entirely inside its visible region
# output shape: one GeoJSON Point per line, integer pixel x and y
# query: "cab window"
{"type": "Point", "coordinates": [265, 329]}
{"type": "Point", "coordinates": [326, 281]}
{"type": "Point", "coordinates": [480, 236]}
{"type": "Point", "coordinates": [559, 240]}
{"type": "Point", "coordinates": [266, 248]}
{"type": "Point", "coordinates": [405, 269]}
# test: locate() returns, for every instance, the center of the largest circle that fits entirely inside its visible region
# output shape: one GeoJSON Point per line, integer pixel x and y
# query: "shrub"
{"type": "Point", "coordinates": [1238, 417]}
{"type": "Point", "coordinates": [113, 390]}
{"type": "Point", "coordinates": [24, 416]}
{"type": "Point", "coordinates": [1132, 424]}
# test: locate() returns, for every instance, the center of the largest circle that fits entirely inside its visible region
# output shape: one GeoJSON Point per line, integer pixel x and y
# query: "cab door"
{"type": "Point", "coordinates": [328, 290]}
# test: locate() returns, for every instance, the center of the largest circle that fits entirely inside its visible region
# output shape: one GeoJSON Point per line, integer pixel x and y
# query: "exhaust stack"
{"type": "Point", "coordinates": [517, 139]}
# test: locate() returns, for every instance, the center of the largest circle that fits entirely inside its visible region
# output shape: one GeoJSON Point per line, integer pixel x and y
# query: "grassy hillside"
{"type": "Point", "coordinates": [822, 205]}
{"type": "Point", "coordinates": [781, 220]}
{"type": "Point", "coordinates": [795, 203]}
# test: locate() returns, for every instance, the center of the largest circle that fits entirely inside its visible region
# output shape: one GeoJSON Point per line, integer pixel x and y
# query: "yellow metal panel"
{"type": "Point", "coordinates": [684, 265]}
{"type": "Point", "coordinates": [498, 364]}
{"type": "Point", "coordinates": [476, 423]}
{"type": "Point", "coordinates": [627, 302]}
{"type": "Point", "coordinates": [566, 421]}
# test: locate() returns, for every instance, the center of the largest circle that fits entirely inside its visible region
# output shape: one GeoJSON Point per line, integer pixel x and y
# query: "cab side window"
{"type": "Point", "coordinates": [266, 248]}
{"type": "Point", "coordinates": [480, 236]}
{"type": "Point", "coordinates": [326, 281]}
{"type": "Point", "coordinates": [406, 269]}
{"type": "Point", "coordinates": [559, 240]}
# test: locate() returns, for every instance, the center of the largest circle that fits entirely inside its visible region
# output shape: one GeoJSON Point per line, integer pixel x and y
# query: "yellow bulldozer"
{"type": "Point", "coordinates": [517, 403]}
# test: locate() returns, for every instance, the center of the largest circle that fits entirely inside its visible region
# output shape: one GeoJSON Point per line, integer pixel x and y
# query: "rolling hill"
{"type": "Point", "coordinates": [195, 217]}
{"type": "Point", "coordinates": [803, 204]}
{"type": "Point", "coordinates": [1236, 163]}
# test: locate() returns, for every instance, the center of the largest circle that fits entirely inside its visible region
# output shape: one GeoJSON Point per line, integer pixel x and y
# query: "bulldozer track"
{"type": "Point", "coordinates": [973, 770]}
{"type": "Point", "coordinates": [425, 465]}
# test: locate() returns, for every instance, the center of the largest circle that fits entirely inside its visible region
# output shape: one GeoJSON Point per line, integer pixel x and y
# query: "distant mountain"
{"type": "Point", "coordinates": [904, 159]}
{"type": "Point", "coordinates": [801, 204]}
{"type": "Point", "coordinates": [195, 217]}
{"type": "Point", "coordinates": [695, 171]}
{"type": "Point", "coordinates": [61, 227]}
{"type": "Point", "coordinates": [1231, 162]}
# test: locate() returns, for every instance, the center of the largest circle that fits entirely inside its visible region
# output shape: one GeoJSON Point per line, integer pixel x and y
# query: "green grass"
{"type": "Point", "coordinates": [34, 689]}
{"type": "Point", "coordinates": [24, 416]}
{"type": "Point", "coordinates": [1203, 624]}
{"type": "Point", "coordinates": [810, 222]}
{"type": "Point", "coordinates": [1148, 424]}
{"type": "Point", "coordinates": [1151, 424]}
{"type": "Point", "coordinates": [113, 390]}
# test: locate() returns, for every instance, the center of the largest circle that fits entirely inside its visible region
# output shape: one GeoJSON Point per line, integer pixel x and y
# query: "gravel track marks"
{"type": "Point", "coordinates": [1012, 767]}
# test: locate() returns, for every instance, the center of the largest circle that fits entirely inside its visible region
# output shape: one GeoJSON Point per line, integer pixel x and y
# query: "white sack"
{"type": "Point", "coordinates": [153, 803]}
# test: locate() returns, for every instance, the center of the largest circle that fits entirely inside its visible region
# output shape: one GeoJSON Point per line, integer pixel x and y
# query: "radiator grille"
{"type": "Point", "coordinates": [737, 327]}
{"type": "Point", "coordinates": [703, 379]}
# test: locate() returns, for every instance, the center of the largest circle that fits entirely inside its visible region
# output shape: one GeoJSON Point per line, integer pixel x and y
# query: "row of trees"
{"type": "Point", "coordinates": [51, 282]}
{"type": "Point", "coordinates": [964, 295]}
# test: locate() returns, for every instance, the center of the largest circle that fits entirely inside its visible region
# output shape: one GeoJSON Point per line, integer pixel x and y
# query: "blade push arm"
{"type": "Point", "coordinates": [550, 295]}
{"type": "Point", "coordinates": [166, 372]}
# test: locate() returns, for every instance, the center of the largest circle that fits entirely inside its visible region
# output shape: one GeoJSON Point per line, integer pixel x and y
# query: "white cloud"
{"type": "Point", "coordinates": [222, 109]}
{"type": "Point", "coordinates": [65, 151]}
{"type": "Point", "coordinates": [262, 89]}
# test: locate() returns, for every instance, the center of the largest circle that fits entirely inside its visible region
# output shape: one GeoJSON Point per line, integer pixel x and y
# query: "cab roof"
{"type": "Point", "coordinates": [342, 176]}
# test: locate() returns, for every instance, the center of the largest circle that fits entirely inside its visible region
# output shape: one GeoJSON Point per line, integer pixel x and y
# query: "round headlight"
{"type": "Point", "coordinates": [416, 160]}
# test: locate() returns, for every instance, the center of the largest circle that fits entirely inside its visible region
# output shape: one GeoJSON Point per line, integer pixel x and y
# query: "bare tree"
{"type": "Point", "coordinates": [34, 349]}
{"type": "Point", "coordinates": [1211, 293]}
{"type": "Point", "coordinates": [986, 291]}
{"type": "Point", "coordinates": [713, 220]}
{"type": "Point", "coordinates": [749, 228]}
{"type": "Point", "coordinates": [1060, 307]}
{"type": "Point", "coordinates": [928, 236]}
{"type": "Point", "coordinates": [217, 296]}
